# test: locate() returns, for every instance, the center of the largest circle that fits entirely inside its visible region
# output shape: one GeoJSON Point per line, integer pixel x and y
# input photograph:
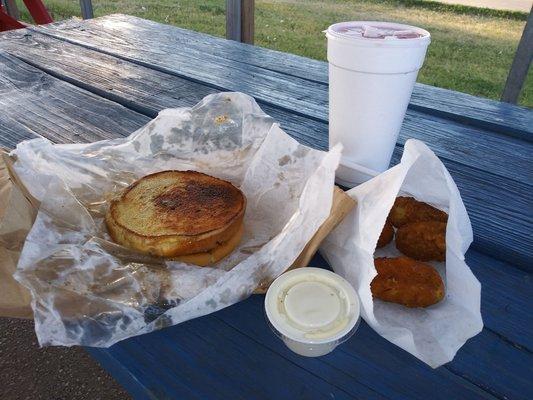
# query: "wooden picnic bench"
{"type": "Point", "coordinates": [81, 81]}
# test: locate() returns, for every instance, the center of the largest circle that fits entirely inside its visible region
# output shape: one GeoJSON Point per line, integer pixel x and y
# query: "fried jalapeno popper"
{"type": "Point", "coordinates": [386, 236]}
{"type": "Point", "coordinates": [423, 241]}
{"type": "Point", "coordinates": [420, 235]}
{"type": "Point", "coordinates": [406, 281]}
{"type": "Point", "coordinates": [407, 210]}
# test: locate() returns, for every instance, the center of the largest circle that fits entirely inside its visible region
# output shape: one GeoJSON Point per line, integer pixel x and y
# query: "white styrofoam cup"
{"type": "Point", "coordinates": [372, 71]}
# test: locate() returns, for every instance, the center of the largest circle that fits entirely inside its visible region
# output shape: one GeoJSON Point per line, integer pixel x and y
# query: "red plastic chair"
{"type": "Point", "coordinates": [37, 10]}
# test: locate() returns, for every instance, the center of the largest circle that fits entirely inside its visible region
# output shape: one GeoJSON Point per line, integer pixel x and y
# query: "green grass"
{"type": "Point", "coordinates": [471, 50]}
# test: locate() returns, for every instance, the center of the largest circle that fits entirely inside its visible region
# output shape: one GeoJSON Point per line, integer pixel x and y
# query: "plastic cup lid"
{"type": "Point", "coordinates": [377, 31]}
{"type": "Point", "coordinates": [312, 305]}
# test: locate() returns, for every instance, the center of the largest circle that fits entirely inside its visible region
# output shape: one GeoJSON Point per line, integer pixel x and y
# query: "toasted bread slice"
{"type": "Point", "coordinates": [215, 255]}
{"type": "Point", "coordinates": [174, 213]}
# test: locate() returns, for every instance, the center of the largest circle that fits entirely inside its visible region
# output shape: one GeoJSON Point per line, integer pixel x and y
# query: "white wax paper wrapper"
{"type": "Point", "coordinates": [89, 291]}
{"type": "Point", "coordinates": [433, 334]}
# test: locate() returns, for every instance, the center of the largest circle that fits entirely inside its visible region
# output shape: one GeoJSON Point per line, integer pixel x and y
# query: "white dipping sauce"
{"type": "Point", "coordinates": [312, 310]}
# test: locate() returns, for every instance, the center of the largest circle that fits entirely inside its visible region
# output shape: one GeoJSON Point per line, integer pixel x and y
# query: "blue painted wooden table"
{"type": "Point", "coordinates": [88, 80]}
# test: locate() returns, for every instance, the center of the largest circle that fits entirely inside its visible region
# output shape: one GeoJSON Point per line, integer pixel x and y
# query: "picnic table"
{"type": "Point", "coordinates": [82, 81]}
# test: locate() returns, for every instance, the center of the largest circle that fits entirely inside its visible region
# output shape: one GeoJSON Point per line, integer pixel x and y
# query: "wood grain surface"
{"type": "Point", "coordinates": [462, 107]}
{"type": "Point", "coordinates": [492, 166]}
{"type": "Point", "coordinates": [36, 104]}
{"type": "Point", "coordinates": [82, 81]}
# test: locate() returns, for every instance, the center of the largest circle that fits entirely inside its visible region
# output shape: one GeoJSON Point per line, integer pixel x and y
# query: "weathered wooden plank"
{"type": "Point", "coordinates": [487, 150]}
{"type": "Point", "coordinates": [461, 107]}
{"type": "Point", "coordinates": [513, 320]}
{"type": "Point", "coordinates": [505, 298]}
{"type": "Point", "coordinates": [302, 382]}
{"type": "Point", "coordinates": [506, 294]}
{"type": "Point", "coordinates": [125, 376]}
{"type": "Point", "coordinates": [34, 103]}
{"type": "Point", "coordinates": [213, 360]}
{"type": "Point", "coordinates": [152, 352]}
{"type": "Point", "coordinates": [508, 119]}
{"type": "Point", "coordinates": [217, 360]}
{"type": "Point", "coordinates": [13, 132]}
{"type": "Point", "coordinates": [520, 66]}
{"type": "Point", "coordinates": [496, 366]}
{"type": "Point", "coordinates": [142, 378]}
{"type": "Point", "coordinates": [487, 361]}
{"type": "Point", "coordinates": [223, 74]}
{"type": "Point", "coordinates": [480, 169]}
{"type": "Point", "coordinates": [310, 98]}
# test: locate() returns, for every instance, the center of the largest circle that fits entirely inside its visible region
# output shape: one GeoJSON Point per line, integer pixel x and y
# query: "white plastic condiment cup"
{"type": "Point", "coordinates": [312, 310]}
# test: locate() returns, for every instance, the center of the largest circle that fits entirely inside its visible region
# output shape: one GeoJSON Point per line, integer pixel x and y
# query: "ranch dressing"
{"type": "Point", "coordinates": [312, 310]}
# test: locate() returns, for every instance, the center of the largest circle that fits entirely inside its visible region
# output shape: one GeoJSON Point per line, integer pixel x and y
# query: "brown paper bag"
{"type": "Point", "coordinates": [17, 213]}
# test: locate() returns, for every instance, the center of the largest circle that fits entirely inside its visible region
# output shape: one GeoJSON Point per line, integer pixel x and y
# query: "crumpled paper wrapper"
{"type": "Point", "coordinates": [433, 334]}
{"type": "Point", "coordinates": [16, 218]}
{"type": "Point", "coordinates": [89, 291]}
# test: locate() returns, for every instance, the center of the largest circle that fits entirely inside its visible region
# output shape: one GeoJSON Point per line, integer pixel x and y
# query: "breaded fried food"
{"type": "Point", "coordinates": [178, 213]}
{"type": "Point", "coordinates": [423, 241]}
{"type": "Point", "coordinates": [387, 234]}
{"type": "Point", "coordinates": [407, 209]}
{"type": "Point", "coordinates": [406, 281]}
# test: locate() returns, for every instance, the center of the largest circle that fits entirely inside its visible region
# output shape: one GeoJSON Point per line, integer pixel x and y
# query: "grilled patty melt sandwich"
{"type": "Point", "coordinates": [182, 215]}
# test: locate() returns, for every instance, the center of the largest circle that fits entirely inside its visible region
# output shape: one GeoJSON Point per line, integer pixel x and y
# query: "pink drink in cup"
{"type": "Point", "coordinates": [372, 71]}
